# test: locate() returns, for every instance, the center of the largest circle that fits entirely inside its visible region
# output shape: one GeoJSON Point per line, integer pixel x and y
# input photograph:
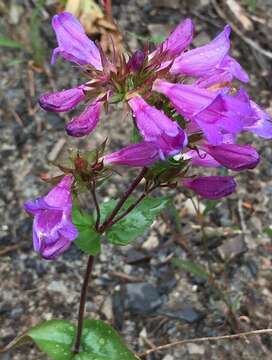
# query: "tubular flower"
{"type": "Point", "coordinates": [211, 187]}
{"type": "Point", "coordinates": [62, 101]}
{"type": "Point", "coordinates": [233, 156]}
{"type": "Point", "coordinates": [73, 44]}
{"type": "Point", "coordinates": [86, 122]}
{"type": "Point", "coordinates": [177, 41]}
{"type": "Point", "coordinates": [53, 230]}
{"type": "Point", "coordinates": [156, 127]}
{"type": "Point", "coordinates": [138, 155]}
{"type": "Point", "coordinates": [199, 61]}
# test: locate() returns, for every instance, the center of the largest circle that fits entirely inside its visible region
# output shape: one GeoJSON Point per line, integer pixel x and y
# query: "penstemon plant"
{"type": "Point", "coordinates": [186, 116]}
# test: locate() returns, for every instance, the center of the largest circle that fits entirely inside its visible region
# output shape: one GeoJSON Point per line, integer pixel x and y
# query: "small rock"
{"type": "Point", "coordinates": [57, 286]}
{"type": "Point", "coordinates": [232, 248]}
{"type": "Point", "coordinates": [151, 243]}
{"type": "Point", "coordinates": [188, 314]}
{"type": "Point", "coordinates": [195, 349]}
{"type": "Point", "coordinates": [135, 256]}
{"type": "Point", "coordinates": [142, 298]}
{"type": "Point", "coordinates": [15, 13]}
{"type": "Point", "coordinates": [173, 4]}
{"type": "Point", "coordinates": [106, 308]}
{"type": "Point", "coordinates": [168, 357]}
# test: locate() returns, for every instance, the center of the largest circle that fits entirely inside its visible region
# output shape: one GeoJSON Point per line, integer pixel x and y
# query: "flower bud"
{"type": "Point", "coordinates": [136, 155]}
{"type": "Point", "coordinates": [86, 122]}
{"type": "Point", "coordinates": [63, 100]}
{"type": "Point", "coordinates": [233, 156]}
{"type": "Point", "coordinates": [211, 187]}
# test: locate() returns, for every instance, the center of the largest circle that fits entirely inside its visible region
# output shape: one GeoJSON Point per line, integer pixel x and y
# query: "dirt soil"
{"type": "Point", "coordinates": [135, 288]}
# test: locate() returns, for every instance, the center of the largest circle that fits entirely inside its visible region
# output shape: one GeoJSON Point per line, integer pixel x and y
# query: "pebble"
{"type": "Point", "coordinates": [142, 298]}
{"type": "Point", "coordinates": [151, 243]}
{"type": "Point", "coordinates": [232, 248]}
{"type": "Point", "coordinates": [195, 349]}
{"type": "Point", "coordinates": [168, 357]}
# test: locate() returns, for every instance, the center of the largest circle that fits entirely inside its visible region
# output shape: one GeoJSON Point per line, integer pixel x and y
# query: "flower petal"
{"type": "Point", "coordinates": [141, 154]}
{"type": "Point", "coordinates": [86, 122]}
{"type": "Point", "coordinates": [211, 187]}
{"type": "Point", "coordinates": [178, 40]}
{"type": "Point", "coordinates": [233, 156]}
{"type": "Point", "coordinates": [199, 61]}
{"type": "Point", "coordinates": [62, 101]}
{"type": "Point", "coordinates": [73, 44]}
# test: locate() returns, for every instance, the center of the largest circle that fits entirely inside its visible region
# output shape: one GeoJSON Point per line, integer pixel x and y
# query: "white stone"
{"type": "Point", "coordinates": [195, 349]}
{"type": "Point", "coordinates": [151, 243]}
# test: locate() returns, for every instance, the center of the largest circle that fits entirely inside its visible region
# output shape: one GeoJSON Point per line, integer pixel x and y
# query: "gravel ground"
{"type": "Point", "coordinates": [135, 288]}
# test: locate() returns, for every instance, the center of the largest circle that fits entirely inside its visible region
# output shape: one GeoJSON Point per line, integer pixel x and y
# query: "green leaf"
{"type": "Point", "coordinates": [101, 342]}
{"type": "Point", "coordinates": [88, 239]}
{"type": "Point", "coordinates": [10, 43]}
{"type": "Point", "coordinates": [136, 136]}
{"type": "Point", "coordinates": [56, 338]}
{"type": "Point", "coordinates": [268, 231]}
{"type": "Point", "coordinates": [190, 267]}
{"type": "Point", "coordinates": [210, 205]}
{"type": "Point", "coordinates": [136, 222]}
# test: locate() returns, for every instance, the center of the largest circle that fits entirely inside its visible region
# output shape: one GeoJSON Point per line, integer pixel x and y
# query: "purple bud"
{"type": "Point", "coordinates": [211, 187]}
{"type": "Point", "coordinates": [86, 122]}
{"type": "Point", "coordinates": [201, 158]}
{"type": "Point", "coordinates": [62, 101]}
{"type": "Point", "coordinates": [136, 155]}
{"type": "Point", "coordinates": [74, 44]}
{"type": "Point", "coordinates": [178, 40]}
{"type": "Point", "coordinates": [156, 127]}
{"type": "Point", "coordinates": [233, 156]}
{"type": "Point", "coordinates": [136, 61]}
{"type": "Point", "coordinates": [202, 60]}
{"type": "Point", "coordinates": [53, 230]}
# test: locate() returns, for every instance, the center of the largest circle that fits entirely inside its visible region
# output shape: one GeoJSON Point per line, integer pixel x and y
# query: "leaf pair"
{"type": "Point", "coordinates": [124, 231]}
{"type": "Point", "coordinates": [56, 338]}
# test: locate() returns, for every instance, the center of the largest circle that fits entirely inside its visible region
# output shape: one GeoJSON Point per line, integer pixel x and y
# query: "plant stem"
{"type": "Point", "coordinates": [122, 200]}
{"type": "Point", "coordinates": [83, 296]}
{"type": "Point", "coordinates": [93, 191]}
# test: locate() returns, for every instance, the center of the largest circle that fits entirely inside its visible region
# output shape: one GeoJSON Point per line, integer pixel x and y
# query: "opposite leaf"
{"type": "Point", "coordinates": [56, 338]}
{"type": "Point", "coordinates": [88, 239]}
{"type": "Point", "coordinates": [136, 222]}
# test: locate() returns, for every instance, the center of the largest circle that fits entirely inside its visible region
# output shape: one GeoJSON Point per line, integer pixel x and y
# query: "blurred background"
{"type": "Point", "coordinates": [149, 298]}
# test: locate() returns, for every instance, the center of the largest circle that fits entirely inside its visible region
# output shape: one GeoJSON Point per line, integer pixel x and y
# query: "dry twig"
{"type": "Point", "coordinates": [253, 44]}
{"type": "Point", "coordinates": [206, 339]}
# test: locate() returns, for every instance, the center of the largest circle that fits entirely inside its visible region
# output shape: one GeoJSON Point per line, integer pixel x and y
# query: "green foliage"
{"type": "Point", "coordinates": [268, 231]}
{"type": "Point", "coordinates": [136, 222]}
{"type": "Point", "coordinates": [10, 43]}
{"type": "Point", "coordinates": [56, 338]}
{"type": "Point", "coordinates": [190, 267]}
{"type": "Point", "coordinates": [154, 39]}
{"type": "Point", "coordinates": [88, 239]}
{"type": "Point", "coordinates": [37, 42]}
{"type": "Point", "coordinates": [136, 136]}
{"type": "Point", "coordinates": [210, 205]}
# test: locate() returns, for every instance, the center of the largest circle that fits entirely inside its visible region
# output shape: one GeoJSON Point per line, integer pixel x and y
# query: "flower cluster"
{"type": "Point", "coordinates": [183, 105]}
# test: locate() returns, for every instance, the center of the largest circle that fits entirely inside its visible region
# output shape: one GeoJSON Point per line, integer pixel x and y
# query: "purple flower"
{"type": "Point", "coordinates": [177, 41]}
{"type": "Point", "coordinates": [156, 127]}
{"type": "Point", "coordinates": [211, 187]}
{"type": "Point", "coordinates": [73, 44]}
{"type": "Point", "coordinates": [86, 122]}
{"type": "Point", "coordinates": [53, 230]}
{"type": "Point", "coordinates": [204, 59]}
{"type": "Point", "coordinates": [233, 156]}
{"type": "Point", "coordinates": [63, 100]}
{"type": "Point", "coordinates": [262, 126]}
{"type": "Point", "coordinates": [201, 158]}
{"type": "Point", "coordinates": [136, 155]}
{"type": "Point", "coordinates": [215, 113]}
